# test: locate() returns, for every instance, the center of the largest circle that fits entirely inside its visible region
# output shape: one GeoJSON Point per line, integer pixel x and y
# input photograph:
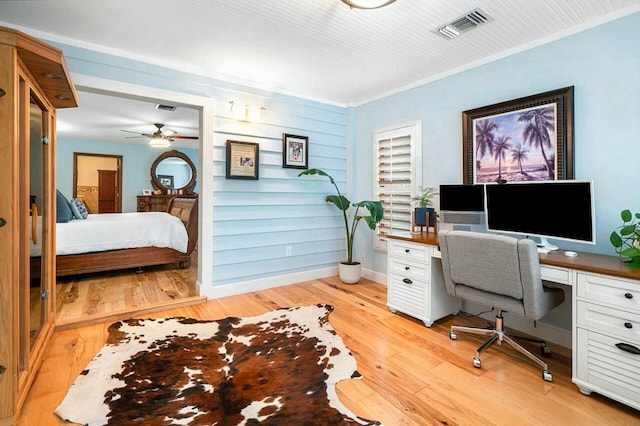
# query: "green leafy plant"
{"type": "Point", "coordinates": [425, 199]}
{"type": "Point", "coordinates": [626, 238]}
{"type": "Point", "coordinates": [343, 204]}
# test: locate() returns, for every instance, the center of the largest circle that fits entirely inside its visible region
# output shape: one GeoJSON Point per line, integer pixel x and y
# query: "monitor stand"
{"type": "Point", "coordinates": [545, 246]}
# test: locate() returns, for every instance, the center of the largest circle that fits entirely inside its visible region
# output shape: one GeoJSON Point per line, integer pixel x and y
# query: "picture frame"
{"type": "Point", "coordinates": [295, 151]}
{"type": "Point", "coordinates": [166, 181]}
{"type": "Point", "coordinates": [504, 139]}
{"type": "Point", "coordinates": [242, 160]}
{"type": "Point", "coordinates": [146, 192]}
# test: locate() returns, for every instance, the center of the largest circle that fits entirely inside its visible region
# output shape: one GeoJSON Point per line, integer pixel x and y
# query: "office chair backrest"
{"type": "Point", "coordinates": [492, 263]}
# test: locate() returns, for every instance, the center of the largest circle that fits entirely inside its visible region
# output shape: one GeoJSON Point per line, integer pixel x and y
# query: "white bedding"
{"type": "Point", "coordinates": [112, 231]}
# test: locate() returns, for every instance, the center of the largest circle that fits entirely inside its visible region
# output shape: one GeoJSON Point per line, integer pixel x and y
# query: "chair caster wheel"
{"type": "Point", "coordinates": [452, 335]}
{"type": "Point", "coordinates": [476, 363]}
{"type": "Point", "coordinates": [545, 350]}
{"type": "Point", "coordinates": [546, 376]}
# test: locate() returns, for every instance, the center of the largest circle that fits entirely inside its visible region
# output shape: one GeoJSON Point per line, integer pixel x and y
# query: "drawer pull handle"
{"type": "Point", "coordinates": [628, 295]}
{"type": "Point", "coordinates": [407, 250]}
{"type": "Point", "coordinates": [628, 348]}
{"type": "Point", "coordinates": [628, 325]}
{"type": "Point", "coordinates": [406, 268]}
{"type": "Point", "coordinates": [407, 281]}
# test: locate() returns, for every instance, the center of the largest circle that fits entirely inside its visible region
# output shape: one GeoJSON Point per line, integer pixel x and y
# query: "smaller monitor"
{"type": "Point", "coordinates": [462, 198]}
{"type": "Point", "coordinates": [462, 207]}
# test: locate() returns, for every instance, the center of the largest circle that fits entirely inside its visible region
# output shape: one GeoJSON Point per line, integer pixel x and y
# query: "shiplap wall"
{"type": "Point", "coordinates": [255, 221]}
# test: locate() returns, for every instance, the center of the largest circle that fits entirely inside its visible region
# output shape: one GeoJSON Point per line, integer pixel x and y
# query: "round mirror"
{"type": "Point", "coordinates": [174, 173]}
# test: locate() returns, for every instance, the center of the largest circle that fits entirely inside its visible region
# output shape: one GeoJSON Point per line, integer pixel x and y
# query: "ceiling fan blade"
{"type": "Point", "coordinates": [184, 137]}
{"type": "Point", "coordinates": [134, 137]}
{"type": "Point", "coordinates": [129, 131]}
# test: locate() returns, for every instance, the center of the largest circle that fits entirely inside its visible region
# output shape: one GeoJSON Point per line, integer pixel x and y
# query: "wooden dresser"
{"type": "Point", "coordinates": [157, 203]}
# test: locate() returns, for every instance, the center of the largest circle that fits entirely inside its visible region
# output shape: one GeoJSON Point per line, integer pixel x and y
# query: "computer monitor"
{"type": "Point", "coordinates": [462, 207]}
{"type": "Point", "coordinates": [561, 210]}
{"type": "Point", "coordinates": [462, 198]}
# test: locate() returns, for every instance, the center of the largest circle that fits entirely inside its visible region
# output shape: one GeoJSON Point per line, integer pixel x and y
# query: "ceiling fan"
{"type": "Point", "coordinates": [160, 138]}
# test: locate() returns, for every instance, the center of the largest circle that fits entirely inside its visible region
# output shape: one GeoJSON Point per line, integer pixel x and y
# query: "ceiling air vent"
{"type": "Point", "coordinates": [166, 107]}
{"type": "Point", "coordinates": [463, 24]}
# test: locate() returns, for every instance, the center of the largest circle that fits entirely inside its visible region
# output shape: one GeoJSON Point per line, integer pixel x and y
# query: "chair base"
{"type": "Point", "coordinates": [499, 336]}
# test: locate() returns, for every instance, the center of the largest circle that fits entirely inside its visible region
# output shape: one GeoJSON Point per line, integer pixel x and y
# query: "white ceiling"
{"type": "Point", "coordinates": [318, 49]}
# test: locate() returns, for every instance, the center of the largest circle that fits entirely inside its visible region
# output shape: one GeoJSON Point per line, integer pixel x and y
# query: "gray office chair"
{"type": "Point", "coordinates": [502, 272]}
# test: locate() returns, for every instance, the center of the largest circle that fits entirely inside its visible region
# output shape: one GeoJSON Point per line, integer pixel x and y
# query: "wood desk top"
{"type": "Point", "coordinates": [588, 262]}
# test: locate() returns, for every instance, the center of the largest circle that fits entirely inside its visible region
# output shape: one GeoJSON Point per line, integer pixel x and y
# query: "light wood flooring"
{"type": "Point", "coordinates": [110, 295]}
{"type": "Point", "coordinates": [412, 375]}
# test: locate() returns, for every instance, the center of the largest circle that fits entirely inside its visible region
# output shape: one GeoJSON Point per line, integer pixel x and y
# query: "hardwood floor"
{"type": "Point", "coordinates": [110, 295]}
{"type": "Point", "coordinates": [412, 375]}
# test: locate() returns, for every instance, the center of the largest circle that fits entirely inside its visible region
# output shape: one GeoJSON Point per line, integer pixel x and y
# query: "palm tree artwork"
{"type": "Point", "coordinates": [500, 148]}
{"type": "Point", "coordinates": [524, 139]}
{"type": "Point", "coordinates": [540, 122]}
{"type": "Point", "coordinates": [519, 153]}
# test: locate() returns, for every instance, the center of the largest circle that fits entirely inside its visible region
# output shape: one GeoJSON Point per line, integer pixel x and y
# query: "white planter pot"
{"type": "Point", "coordinates": [349, 274]}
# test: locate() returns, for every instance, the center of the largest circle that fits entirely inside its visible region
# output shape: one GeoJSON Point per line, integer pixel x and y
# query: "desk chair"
{"type": "Point", "coordinates": [497, 271]}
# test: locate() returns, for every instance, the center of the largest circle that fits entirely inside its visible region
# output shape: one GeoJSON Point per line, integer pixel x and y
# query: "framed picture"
{"type": "Point", "coordinates": [146, 192]}
{"type": "Point", "coordinates": [166, 180]}
{"type": "Point", "coordinates": [243, 160]}
{"type": "Point", "coordinates": [526, 139]}
{"type": "Point", "coordinates": [295, 151]}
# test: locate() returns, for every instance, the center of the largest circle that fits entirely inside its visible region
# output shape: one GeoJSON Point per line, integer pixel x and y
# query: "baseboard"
{"type": "Point", "coordinates": [378, 277]}
{"type": "Point", "coordinates": [214, 292]}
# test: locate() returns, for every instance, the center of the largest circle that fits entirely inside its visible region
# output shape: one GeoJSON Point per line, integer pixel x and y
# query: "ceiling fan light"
{"type": "Point", "coordinates": [159, 142]}
{"type": "Point", "coordinates": [367, 4]}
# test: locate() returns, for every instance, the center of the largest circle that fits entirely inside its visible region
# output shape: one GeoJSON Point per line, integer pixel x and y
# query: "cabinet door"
{"type": "Point", "coordinates": [36, 232]}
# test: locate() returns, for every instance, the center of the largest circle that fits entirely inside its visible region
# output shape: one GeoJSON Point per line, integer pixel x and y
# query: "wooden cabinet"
{"type": "Point", "coordinates": [157, 203]}
{"type": "Point", "coordinates": [34, 81]}
{"type": "Point", "coordinates": [414, 286]}
{"type": "Point", "coordinates": [607, 337]}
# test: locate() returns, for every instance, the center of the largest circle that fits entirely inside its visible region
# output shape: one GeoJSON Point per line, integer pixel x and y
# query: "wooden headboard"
{"type": "Point", "coordinates": [187, 210]}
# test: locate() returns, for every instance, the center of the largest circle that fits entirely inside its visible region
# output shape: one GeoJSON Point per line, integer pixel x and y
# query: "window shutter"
{"type": "Point", "coordinates": [396, 180]}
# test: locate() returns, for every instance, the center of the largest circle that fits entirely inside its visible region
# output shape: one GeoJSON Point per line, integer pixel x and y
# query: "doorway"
{"type": "Point", "coordinates": [97, 181]}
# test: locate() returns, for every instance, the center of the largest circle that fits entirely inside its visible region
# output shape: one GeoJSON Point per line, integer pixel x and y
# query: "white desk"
{"type": "Point", "coordinates": [605, 309]}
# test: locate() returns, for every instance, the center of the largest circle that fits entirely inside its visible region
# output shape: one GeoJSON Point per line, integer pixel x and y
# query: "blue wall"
{"type": "Point", "coordinates": [254, 222]}
{"type": "Point", "coordinates": [136, 166]}
{"type": "Point", "coordinates": [603, 63]}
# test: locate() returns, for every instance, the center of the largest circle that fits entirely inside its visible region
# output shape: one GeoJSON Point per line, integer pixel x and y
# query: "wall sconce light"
{"type": "Point", "coordinates": [248, 113]}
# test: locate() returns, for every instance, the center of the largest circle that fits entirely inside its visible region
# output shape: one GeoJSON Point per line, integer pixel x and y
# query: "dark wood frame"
{"type": "Point", "coordinates": [155, 181]}
{"type": "Point", "coordinates": [564, 146]}
{"type": "Point", "coordinates": [304, 140]}
{"type": "Point", "coordinates": [255, 156]}
{"type": "Point", "coordinates": [75, 264]}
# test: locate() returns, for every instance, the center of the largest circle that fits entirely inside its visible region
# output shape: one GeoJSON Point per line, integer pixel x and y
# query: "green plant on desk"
{"type": "Point", "coordinates": [626, 238]}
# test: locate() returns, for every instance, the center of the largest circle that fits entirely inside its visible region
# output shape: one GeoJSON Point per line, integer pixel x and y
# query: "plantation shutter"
{"type": "Point", "coordinates": [396, 181]}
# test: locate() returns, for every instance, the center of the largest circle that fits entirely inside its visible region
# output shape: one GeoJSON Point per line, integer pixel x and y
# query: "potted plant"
{"type": "Point", "coordinates": [626, 238]}
{"type": "Point", "coordinates": [349, 270]}
{"type": "Point", "coordinates": [424, 201]}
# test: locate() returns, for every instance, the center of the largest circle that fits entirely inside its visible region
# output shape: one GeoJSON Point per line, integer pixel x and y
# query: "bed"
{"type": "Point", "coordinates": [85, 246]}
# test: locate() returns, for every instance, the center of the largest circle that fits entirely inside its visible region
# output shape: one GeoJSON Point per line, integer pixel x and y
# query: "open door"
{"type": "Point", "coordinates": [97, 181]}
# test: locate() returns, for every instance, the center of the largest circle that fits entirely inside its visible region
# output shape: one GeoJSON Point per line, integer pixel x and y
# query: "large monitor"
{"type": "Point", "coordinates": [562, 210]}
{"type": "Point", "coordinates": [462, 207]}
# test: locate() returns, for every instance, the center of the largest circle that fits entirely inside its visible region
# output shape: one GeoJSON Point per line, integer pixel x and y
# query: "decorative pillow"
{"type": "Point", "coordinates": [78, 208]}
{"type": "Point", "coordinates": [63, 211]}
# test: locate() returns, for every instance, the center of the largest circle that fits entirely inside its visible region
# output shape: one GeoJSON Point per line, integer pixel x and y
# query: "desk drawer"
{"type": "Point", "coordinates": [557, 275]}
{"type": "Point", "coordinates": [614, 292]}
{"type": "Point", "coordinates": [613, 322]}
{"type": "Point", "coordinates": [604, 365]}
{"type": "Point", "coordinates": [408, 295]}
{"type": "Point", "coordinates": [410, 269]}
{"type": "Point", "coordinates": [409, 251]}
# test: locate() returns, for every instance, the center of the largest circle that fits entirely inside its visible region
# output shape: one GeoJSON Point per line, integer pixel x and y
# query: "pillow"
{"type": "Point", "coordinates": [78, 208]}
{"type": "Point", "coordinates": [63, 211]}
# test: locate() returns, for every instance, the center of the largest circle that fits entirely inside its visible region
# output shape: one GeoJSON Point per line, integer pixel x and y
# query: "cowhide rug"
{"type": "Point", "coordinates": [280, 368]}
